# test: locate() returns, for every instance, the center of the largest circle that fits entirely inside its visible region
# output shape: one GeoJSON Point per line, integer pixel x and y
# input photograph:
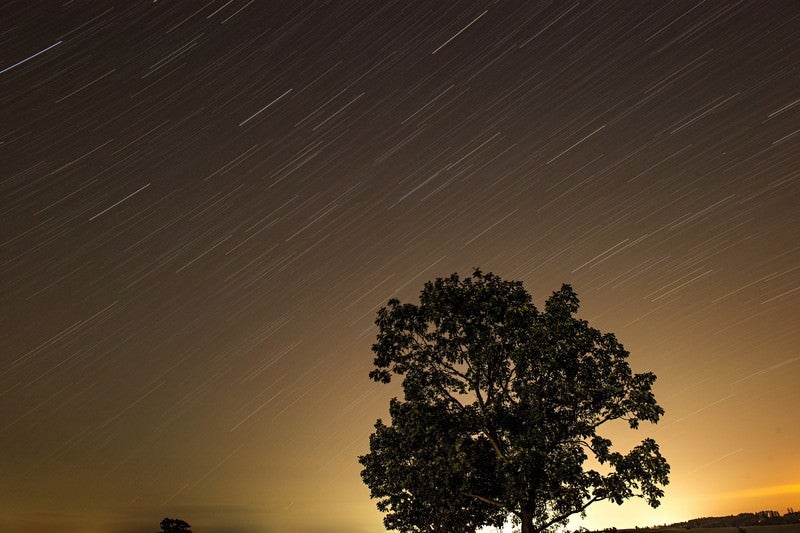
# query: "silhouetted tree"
{"type": "Point", "coordinates": [502, 407]}
{"type": "Point", "coordinates": [175, 525]}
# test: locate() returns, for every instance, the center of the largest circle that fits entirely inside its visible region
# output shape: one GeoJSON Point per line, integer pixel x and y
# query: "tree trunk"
{"type": "Point", "coordinates": [527, 522]}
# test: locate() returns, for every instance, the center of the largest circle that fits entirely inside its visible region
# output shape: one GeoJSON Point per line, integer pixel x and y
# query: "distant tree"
{"type": "Point", "coordinates": [502, 407]}
{"type": "Point", "coordinates": [175, 525]}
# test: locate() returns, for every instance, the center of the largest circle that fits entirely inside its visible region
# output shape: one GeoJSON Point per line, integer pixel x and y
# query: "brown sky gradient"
{"type": "Point", "coordinates": [204, 204]}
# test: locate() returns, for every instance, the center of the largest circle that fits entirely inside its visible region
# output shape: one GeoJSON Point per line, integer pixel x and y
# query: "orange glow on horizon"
{"type": "Point", "coordinates": [760, 492]}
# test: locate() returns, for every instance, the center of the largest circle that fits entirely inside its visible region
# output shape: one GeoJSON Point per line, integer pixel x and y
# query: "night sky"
{"type": "Point", "coordinates": [203, 204]}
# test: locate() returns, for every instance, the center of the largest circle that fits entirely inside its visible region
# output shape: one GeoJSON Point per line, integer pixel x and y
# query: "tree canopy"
{"type": "Point", "coordinates": [175, 525]}
{"type": "Point", "coordinates": [502, 409]}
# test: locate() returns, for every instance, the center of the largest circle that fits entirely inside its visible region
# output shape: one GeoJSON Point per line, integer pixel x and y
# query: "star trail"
{"type": "Point", "coordinates": [203, 205]}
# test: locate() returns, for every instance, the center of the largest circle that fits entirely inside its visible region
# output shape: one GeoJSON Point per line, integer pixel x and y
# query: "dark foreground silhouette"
{"type": "Point", "coordinates": [175, 525]}
{"type": "Point", "coordinates": [760, 518]}
{"type": "Point", "coordinates": [501, 411]}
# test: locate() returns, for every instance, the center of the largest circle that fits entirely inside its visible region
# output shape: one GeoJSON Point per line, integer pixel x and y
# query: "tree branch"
{"type": "Point", "coordinates": [490, 434]}
{"type": "Point", "coordinates": [564, 516]}
{"type": "Point", "coordinates": [452, 370]}
{"type": "Point", "coordinates": [452, 398]}
{"type": "Point", "coordinates": [484, 499]}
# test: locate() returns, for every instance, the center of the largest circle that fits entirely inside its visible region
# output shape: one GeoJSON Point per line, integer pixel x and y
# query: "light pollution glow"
{"type": "Point", "coordinates": [204, 204]}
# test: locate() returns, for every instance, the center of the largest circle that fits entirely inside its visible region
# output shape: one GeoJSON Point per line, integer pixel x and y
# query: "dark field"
{"type": "Point", "coordinates": [780, 528]}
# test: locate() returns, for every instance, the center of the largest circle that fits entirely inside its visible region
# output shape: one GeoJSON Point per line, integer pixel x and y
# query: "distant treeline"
{"type": "Point", "coordinates": [741, 520]}
{"type": "Point", "coordinates": [761, 518]}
